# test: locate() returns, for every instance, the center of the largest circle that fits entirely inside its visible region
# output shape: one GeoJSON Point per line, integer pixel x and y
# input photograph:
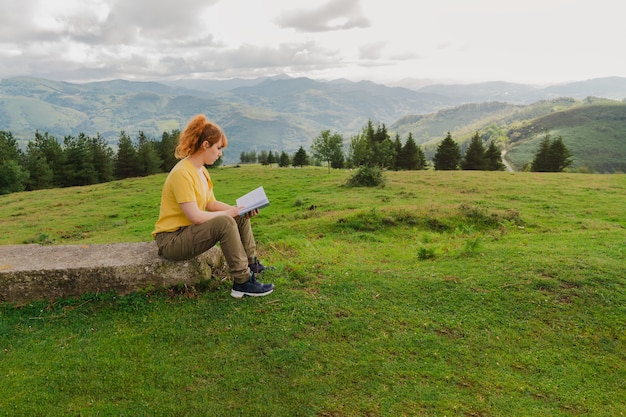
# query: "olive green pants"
{"type": "Point", "coordinates": [233, 234]}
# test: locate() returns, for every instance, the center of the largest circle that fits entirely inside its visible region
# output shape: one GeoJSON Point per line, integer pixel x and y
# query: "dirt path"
{"type": "Point", "coordinates": [505, 162]}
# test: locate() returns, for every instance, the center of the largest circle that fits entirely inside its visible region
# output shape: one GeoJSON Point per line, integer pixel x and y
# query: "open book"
{"type": "Point", "coordinates": [255, 199]}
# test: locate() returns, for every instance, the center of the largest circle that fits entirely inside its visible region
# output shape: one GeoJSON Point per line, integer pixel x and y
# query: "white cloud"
{"type": "Point", "coordinates": [330, 16]}
{"type": "Point", "coordinates": [531, 41]}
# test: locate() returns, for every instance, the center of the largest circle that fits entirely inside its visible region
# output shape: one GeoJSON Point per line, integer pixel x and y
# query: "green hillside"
{"type": "Point", "coordinates": [594, 130]}
{"type": "Point", "coordinates": [594, 133]}
{"type": "Point", "coordinates": [24, 109]}
{"type": "Point", "coordinates": [456, 293]}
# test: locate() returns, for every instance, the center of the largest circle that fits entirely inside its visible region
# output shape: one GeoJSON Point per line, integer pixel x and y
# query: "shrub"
{"type": "Point", "coordinates": [367, 176]}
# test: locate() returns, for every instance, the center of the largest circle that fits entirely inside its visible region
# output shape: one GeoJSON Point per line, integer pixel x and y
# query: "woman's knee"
{"type": "Point", "coordinates": [223, 220]}
{"type": "Point", "coordinates": [219, 226]}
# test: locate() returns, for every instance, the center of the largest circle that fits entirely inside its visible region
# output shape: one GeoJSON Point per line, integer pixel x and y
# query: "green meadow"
{"type": "Point", "coordinates": [440, 294]}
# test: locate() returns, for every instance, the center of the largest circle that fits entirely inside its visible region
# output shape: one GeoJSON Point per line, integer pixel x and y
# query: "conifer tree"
{"type": "Point", "coordinates": [78, 168]}
{"type": "Point", "coordinates": [397, 148]}
{"type": "Point", "coordinates": [284, 160]}
{"type": "Point", "coordinates": [41, 175]}
{"type": "Point", "coordinates": [411, 157]}
{"type": "Point", "coordinates": [126, 159]}
{"type": "Point", "coordinates": [493, 158]}
{"type": "Point", "coordinates": [103, 156]}
{"type": "Point", "coordinates": [383, 150]}
{"type": "Point", "coordinates": [551, 156]}
{"type": "Point", "coordinates": [271, 159]}
{"type": "Point", "coordinates": [300, 159]}
{"type": "Point", "coordinates": [167, 147]}
{"type": "Point", "coordinates": [541, 162]}
{"type": "Point", "coordinates": [474, 158]}
{"type": "Point", "coordinates": [421, 158]}
{"type": "Point", "coordinates": [54, 155]}
{"type": "Point", "coordinates": [560, 156]}
{"type": "Point", "coordinates": [9, 149]}
{"type": "Point", "coordinates": [13, 176]}
{"type": "Point", "coordinates": [448, 155]}
{"type": "Point", "coordinates": [263, 158]}
{"type": "Point", "coordinates": [148, 159]}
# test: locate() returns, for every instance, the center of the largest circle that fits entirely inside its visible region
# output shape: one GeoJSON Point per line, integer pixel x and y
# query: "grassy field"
{"type": "Point", "coordinates": [440, 294]}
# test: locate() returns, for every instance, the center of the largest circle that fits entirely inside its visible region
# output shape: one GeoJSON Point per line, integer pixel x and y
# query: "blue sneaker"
{"type": "Point", "coordinates": [252, 287]}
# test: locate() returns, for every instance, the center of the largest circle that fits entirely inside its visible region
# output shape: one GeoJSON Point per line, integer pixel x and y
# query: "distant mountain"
{"type": "Point", "coordinates": [219, 86]}
{"type": "Point", "coordinates": [280, 113]}
{"type": "Point", "coordinates": [491, 91]}
{"type": "Point", "coordinates": [610, 87]}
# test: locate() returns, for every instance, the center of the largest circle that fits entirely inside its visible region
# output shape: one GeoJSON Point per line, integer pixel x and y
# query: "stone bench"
{"type": "Point", "coordinates": [36, 272]}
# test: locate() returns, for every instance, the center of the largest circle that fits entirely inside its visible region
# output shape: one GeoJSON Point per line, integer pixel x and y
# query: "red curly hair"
{"type": "Point", "coordinates": [197, 131]}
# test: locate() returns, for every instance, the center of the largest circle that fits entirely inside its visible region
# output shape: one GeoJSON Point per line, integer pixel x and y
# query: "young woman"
{"type": "Point", "coordinates": [191, 220]}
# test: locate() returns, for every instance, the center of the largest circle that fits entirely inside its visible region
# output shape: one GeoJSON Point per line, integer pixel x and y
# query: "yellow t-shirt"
{"type": "Point", "coordinates": [182, 185]}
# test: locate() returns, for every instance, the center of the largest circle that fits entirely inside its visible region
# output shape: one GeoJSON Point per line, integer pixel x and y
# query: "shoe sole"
{"type": "Point", "coordinates": [240, 294]}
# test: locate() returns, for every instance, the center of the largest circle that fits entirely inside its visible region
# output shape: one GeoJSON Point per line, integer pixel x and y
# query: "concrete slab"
{"type": "Point", "coordinates": [36, 272]}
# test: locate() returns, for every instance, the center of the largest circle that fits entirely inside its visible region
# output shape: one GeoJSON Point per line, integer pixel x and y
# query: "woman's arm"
{"type": "Point", "coordinates": [218, 206]}
{"type": "Point", "coordinates": [197, 216]}
{"type": "Point", "coordinates": [223, 207]}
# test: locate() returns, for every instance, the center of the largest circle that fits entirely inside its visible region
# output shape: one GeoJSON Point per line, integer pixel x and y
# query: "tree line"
{"type": "Point", "coordinates": [80, 160]}
{"type": "Point", "coordinates": [374, 147]}
{"type": "Point", "coordinates": [84, 160]}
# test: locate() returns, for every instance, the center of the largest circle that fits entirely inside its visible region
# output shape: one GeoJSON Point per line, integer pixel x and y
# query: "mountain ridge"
{"type": "Point", "coordinates": [278, 113]}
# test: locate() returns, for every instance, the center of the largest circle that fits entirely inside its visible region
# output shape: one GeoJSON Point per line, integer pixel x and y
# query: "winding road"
{"type": "Point", "coordinates": [505, 162]}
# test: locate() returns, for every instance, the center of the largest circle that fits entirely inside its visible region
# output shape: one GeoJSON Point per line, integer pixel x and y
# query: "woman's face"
{"type": "Point", "coordinates": [212, 153]}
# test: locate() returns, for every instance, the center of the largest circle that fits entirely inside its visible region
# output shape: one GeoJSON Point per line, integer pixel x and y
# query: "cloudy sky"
{"type": "Point", "coordinates": [530, 41]}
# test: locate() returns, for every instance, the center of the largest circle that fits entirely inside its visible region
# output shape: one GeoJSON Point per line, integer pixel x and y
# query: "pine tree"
{"type": "Point", "coordinates": [493, 157]}
{"type": "Point", "coordinates": [448, 155]}
{"type": "Point", "coordinates": [263, 157]}
{"type": "Point", "coordinates": [148, 160]}
{"type": "Point", "coordinates": [541, 162]}
{"type": "Point", "coordinates": [9, 149]}
{"type": "Point", "coordinates": [41, 175]}
{"type": "Point", "coordinates": [102, 155]}
{"type": "Point", "coordinates": [284, 160]}
{"type": "Point", "coordinates": [78, 168]}
{"type": "Point", "coordinates": [410, 157]}
{"type": "Point", "coordinates": [421, 158]}
{"type": "Point", "coordinates": [397, 147]}
{"type": "Point", "coordinates": [271, 159]}
{"type": "Point", "coordinates": [560, 156]}
{"type": "Point", "coordinates": [474, 158]}
{"type": "Point", "coordinates": [126, 159]}
{"type": "Point", "coordinates": [54, 155]}
{"type": "Point", "coordinates": [13, 176]}
{"type": "Point", "coordinates": [300, 159]}
{"type": "Point", "coordinates": [167, 147]}
{"type": "Point", "coordinates": [383, 149]}
{"type": "Point", "coordinates": [551, 156]}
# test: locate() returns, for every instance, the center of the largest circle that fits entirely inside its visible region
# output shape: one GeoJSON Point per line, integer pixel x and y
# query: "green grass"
{"type": "Point", "coordinates": [443, 293]}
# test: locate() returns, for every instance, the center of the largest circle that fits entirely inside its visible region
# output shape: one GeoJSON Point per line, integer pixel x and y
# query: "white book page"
{"type": "Point", "coordinates": [255, 199]}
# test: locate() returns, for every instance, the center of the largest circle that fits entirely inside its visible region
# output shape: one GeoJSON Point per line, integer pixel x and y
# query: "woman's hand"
{"type": "Point", "coordinates": [252, 213]}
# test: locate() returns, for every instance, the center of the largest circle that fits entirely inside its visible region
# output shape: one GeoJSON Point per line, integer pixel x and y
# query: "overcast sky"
{"type": "Point", "coordinates": [529, 41]}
